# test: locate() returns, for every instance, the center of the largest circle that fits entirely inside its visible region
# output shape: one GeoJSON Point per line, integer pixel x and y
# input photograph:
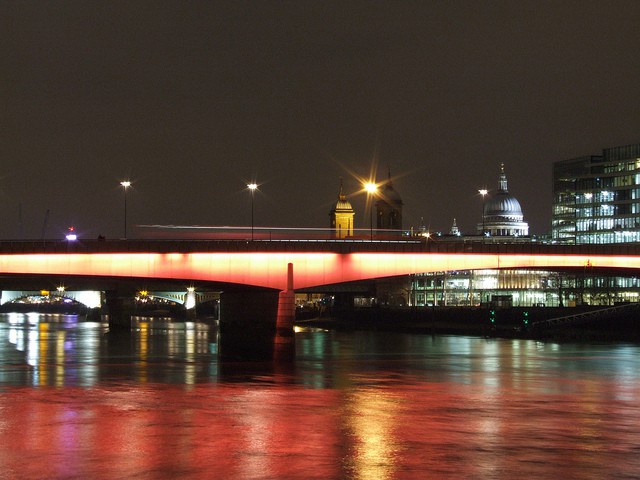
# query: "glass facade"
{"type": "Point", "coordinates": [520, 288]}
{"type": "Point", "coordinates": [596, 199]}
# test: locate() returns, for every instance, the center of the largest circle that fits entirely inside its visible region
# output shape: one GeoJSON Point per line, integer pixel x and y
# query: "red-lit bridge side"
{"type": "Point", "coordinates": [269, 268]}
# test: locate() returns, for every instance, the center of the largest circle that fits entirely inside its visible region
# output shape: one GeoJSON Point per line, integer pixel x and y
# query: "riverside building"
{"type": "Point", "coordinates": [596, 198]}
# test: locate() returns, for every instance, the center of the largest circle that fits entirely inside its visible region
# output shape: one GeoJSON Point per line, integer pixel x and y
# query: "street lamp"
{"type": "Point", "coordinates": [125, 184]}
{"type": "Point", "coordinates": [483, 192]}
{"type": "Point", "coordinates": [252, 188]}
{"type": "Point", "coordinates": [371, 189]}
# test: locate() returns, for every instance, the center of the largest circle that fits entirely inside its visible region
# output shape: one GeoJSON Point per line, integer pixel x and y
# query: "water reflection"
{"type": "Point", "coordinates": [79, 401]}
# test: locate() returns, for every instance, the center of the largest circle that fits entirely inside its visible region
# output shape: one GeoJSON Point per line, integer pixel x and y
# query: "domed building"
{"type": "Point", "coordinates": [502, 214]}
{"type": "Point", "coordinates": [388, 207]}
{"type": "Point", "coordinates": [341, 217]}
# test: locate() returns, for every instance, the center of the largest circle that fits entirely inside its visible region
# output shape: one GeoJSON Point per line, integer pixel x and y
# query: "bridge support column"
{"type": "Point", "coordinates": [120, 307]}
{"type": "Point", "coordinates": [284, 345]}
{"type": "Point", "coordinates": [247, 325]}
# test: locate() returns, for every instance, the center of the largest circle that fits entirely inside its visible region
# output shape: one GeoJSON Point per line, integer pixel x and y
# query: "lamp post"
{"type": "Point", "coordinates": [252, 188]}
{"type": "Point", "coordinates": [125, 184]}
{"type": "Point", "coordinates": [483, 192]}
{"type": "Point", "coordinates": [371, 189]}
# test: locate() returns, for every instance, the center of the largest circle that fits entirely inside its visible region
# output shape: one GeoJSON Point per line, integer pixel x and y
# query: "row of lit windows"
{"type": "Point", "coordinates": [523, 287]}
{"type": "Point", "coordinates": [596, 224]}
{"type": "Point", "coordinates": [526, 279]}
{"type": "Point", "coordinates": [606, 196]}
{"type": "Point", "coordinates": [596, 237]}
{"type": "Point", "coordinates": [622, 166]}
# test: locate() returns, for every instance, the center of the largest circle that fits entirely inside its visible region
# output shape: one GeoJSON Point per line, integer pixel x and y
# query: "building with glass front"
{"type": "Point", "coordinates": [520, 288]}
{"type": "Point", "coordinates": [596, 198]}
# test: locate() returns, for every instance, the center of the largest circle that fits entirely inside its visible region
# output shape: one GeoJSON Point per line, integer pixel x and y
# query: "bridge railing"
{"type": "Point", "coordinates": [353, 244]}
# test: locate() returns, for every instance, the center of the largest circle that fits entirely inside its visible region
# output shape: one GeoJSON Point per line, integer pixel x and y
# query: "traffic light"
{"type": "Point", "coordinates": [525, 318]}
{"type": "Point", "coordinates": [492, 316]}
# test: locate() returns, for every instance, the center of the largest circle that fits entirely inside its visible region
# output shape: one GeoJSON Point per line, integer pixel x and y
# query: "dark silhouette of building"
{"type": "Point", "coordinates": [388, 207]}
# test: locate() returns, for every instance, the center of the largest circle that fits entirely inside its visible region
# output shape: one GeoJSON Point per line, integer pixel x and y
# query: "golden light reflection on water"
{"type": "Point", "coordinates": [369, 417]}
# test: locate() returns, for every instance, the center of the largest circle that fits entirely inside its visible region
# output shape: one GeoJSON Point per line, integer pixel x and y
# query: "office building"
{"type": "Point", "coordinates": [596, 199]}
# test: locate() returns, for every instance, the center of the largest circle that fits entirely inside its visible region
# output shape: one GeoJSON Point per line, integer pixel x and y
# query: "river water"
{"type": "Point", "coordinates": [78, 402]}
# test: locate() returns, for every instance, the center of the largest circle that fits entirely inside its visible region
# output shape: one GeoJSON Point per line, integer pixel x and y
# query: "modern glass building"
{"type": "Point", "coordinates": [521, 288]}
{"type": "Point", "coordinates": [596, 199]}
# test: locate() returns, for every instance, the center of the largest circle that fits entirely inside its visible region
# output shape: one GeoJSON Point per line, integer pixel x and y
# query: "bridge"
{"type": "Point", "coordinates": [258, 277]}
{"type": "Point", "coordinates": [264, 263]}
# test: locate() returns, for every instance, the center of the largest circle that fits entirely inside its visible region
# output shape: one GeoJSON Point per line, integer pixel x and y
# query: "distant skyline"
{"type": "Point", "coordinates": [191, 101]}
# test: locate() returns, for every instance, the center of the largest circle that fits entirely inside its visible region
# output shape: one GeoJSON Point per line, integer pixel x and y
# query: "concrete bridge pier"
{"type": "Point", "coordinates": [284, 344]}
{"type": "Point", "coordinates": [247, 325]}
{"type": "Point", "coordinates": [120, 307]}
{"type": "Point", "coordinates": [258, 325]}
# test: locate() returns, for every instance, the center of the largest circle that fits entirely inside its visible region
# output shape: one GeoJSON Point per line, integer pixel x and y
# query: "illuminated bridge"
{"type": "Point", "coordinates": [316, 263]}
{"type": "Point", "coordinates": [257, 278]}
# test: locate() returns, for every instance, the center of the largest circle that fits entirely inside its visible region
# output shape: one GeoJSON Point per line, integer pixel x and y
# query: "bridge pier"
{"type": "Point", "coordinates": [120, 307]}
{"type": "Point", "coordinates": [247, 325]}
{"type": "Point", "coordinates": [284, 344]}
{"type": "Point", "coordinates": [258, 325]}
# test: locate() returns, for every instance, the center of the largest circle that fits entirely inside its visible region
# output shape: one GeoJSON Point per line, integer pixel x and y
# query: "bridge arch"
{"type": "Point", "coordinates": [88, 298]}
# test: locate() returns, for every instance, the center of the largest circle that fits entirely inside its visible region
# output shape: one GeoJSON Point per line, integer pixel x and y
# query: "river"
{"type": "Point", "coordinates": [78, 402]}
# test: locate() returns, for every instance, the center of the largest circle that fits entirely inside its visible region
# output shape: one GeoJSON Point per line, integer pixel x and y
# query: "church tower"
{"type": "Point", "coordinates": [389, 207]}
{"type": "Point", "coordinates": [341, 217]}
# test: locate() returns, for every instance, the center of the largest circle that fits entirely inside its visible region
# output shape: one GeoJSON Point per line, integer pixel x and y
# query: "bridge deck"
{"type": "Point", "coordinates": [403, 244]}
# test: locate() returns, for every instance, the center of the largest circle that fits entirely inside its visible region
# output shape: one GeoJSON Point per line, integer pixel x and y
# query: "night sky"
{"type": "Point", "coordinates": [192, 100]}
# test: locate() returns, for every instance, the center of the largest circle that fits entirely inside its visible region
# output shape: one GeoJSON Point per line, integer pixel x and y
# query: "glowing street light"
{"type": "Point", "coordinates": [483, 192]}
{"type": "Point", "coordinates": [125, 184]}
{"type": "Point", "coordinates": [252, 188]}
{"type": "Point", "coordinates": [371, 189]}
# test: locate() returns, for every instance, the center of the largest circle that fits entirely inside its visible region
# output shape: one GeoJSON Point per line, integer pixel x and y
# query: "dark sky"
{"type": "Point", "coordinates": [190, 100]}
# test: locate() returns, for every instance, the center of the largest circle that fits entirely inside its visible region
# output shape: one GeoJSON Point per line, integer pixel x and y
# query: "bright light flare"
{"type": "Point", "coordinates": [483, 191]}
{"type": "Point", "coordinates": [371, 187]}
{"type": "Point", "coordinates": [252, 186]}
{"type": "Point", "coordinates": [126, 184]}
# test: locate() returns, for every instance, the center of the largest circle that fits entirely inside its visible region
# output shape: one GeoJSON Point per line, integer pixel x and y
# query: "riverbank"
{"type": "Point", "coordinates": [503, 323]}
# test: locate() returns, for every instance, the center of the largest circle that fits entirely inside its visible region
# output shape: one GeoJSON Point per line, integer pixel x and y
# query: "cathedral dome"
{"type": "Point", "coordinates": [503, 204]}
{"type": "Point", "coordinates": [502, 214]}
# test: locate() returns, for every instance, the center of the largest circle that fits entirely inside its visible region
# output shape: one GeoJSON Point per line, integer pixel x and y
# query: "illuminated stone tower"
{"type": "Point", "coordinates": [389, 207]}
{"type": "Point", "coordinates": [341, 216]}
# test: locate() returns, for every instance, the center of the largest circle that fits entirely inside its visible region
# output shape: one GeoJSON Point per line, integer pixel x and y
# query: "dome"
{"type": "Point", "coordinates": [503, 204]}
{"type": "Point", "coordinates": [502, 214]}
{"type": "Point", "coordinates": [342, 204]}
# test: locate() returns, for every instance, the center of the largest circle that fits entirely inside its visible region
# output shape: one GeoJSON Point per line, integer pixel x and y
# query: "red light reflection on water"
{"type": "Point", "coordinates": [286, 431]}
